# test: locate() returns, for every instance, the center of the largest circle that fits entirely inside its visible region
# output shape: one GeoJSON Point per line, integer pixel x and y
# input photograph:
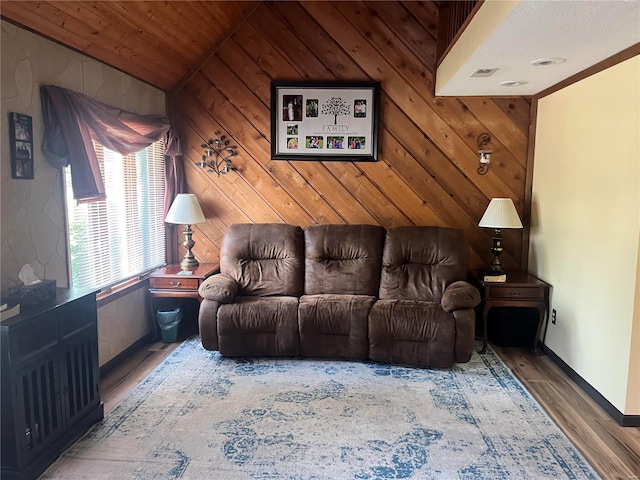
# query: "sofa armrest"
{"type": "Point", "coordinates": [219, 288]}
{"type": "Point", "coordinates": [208, 324]}
{"type": "Point", "coordinates": [465, 320]}
{"type": "Point", "coordinates": [459, 295]}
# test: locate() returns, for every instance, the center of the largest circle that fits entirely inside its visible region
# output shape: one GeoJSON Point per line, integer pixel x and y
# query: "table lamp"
{"type": "Point", "coordinates": [185, 210]}
{"type": "Point", "coordinates": [501, 213]}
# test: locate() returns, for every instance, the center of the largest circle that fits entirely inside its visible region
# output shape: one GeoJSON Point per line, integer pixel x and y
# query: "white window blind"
{"type": "Point", "coordinates": [113, 240]}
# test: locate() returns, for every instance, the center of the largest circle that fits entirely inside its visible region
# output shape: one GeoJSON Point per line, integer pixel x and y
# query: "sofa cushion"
{"type": "Point", "coordinates": [411, 332]}
{"type": "Point", "coordinates": [264, 259]}
{"type": "Point", "coordinates": [420, 262]}
{"type": "Point", "coordinates": [334, 326]}
{"type": "Point", "coordinates": [343, 259]}
{"type": "Point", "coordinates": [259, 326]}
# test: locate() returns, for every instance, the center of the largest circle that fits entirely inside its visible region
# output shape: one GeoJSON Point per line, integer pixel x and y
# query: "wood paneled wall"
{"type": "Point", "coordinates": [426, 173]}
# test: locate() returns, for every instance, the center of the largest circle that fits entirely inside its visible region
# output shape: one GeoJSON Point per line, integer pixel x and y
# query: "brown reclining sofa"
{"type": "Point", "coordinates": [341, 291]}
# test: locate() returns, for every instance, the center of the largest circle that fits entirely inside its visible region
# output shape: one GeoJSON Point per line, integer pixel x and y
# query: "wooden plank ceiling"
{"type": "Point", "coordinates": [157, 42]}
{"type": "Point", "coordinates": [217, 59]}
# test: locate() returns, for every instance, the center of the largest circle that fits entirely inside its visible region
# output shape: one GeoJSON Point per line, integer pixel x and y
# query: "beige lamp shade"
{"type": "Point", "coordinates": [501, 213]}
{"type": "Point", "coordinates": [185, 210]}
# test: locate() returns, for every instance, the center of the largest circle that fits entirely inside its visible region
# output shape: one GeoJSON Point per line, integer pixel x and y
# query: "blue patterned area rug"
{"type": "Point", "coordinates": [201, 416]}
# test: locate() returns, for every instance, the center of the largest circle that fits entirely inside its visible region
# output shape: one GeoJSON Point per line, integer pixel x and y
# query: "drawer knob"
{"type": "Point", "coordinates": [176, 285]}
{"type": "Point", "coordinates": [515, 294]}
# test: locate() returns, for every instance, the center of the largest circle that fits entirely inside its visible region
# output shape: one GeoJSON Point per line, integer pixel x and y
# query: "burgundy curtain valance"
{"type": "Point", "coordinates": [73, 121]}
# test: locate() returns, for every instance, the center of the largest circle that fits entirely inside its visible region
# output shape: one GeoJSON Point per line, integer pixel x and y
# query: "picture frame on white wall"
{"type": "Point", "coordinates": [21, 140]}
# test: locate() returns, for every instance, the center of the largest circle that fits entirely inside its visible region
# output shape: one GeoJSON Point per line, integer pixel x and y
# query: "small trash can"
{"type": "Point", "coordinates": [168, 321]}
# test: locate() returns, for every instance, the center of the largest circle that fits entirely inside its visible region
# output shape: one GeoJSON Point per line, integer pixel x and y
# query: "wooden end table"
{"type": "Point", "coordinates": [520, 290]}
{"type": "Point", "coordinates": [167, 282]}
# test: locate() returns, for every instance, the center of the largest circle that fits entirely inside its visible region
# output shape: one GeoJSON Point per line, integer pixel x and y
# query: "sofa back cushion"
{"type": "Point", "coordinates": [343, 259]}
{"type": "Point", "coordinates": [264, 259]}
{"type": "Point", "coordinates": [420, 262]}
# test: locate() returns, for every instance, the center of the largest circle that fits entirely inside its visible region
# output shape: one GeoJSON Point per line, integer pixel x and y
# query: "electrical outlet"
{"type": "Point", "coordinates": [553, 316]}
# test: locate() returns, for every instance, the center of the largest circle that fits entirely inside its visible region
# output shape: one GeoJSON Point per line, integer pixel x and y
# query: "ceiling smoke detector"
{"type": "Point", "coordinates": [484, 72]}
{"type": "Point", "coordinates": [544, 62]}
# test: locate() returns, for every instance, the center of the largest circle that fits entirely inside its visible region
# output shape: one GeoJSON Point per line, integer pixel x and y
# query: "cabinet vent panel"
{"type": "Point", "coordinates": [80, 375]}
{"type": "Point", "coordinates": [41, 409]}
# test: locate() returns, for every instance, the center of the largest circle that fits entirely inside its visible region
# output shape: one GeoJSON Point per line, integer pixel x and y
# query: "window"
{"type": "Point", "coordinates": [116, 239]}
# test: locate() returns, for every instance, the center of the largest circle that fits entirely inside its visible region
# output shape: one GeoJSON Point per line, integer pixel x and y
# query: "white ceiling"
{"type": "Point", "coordinates": [583, 32]}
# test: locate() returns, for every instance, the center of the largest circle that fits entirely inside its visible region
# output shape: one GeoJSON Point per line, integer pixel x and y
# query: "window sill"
{"type": "Point", "coordinates": [111, 294]}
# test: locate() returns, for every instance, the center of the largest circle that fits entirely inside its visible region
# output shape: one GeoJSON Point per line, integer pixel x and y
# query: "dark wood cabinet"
{"type": "Point", "coordinates": [50, 381]}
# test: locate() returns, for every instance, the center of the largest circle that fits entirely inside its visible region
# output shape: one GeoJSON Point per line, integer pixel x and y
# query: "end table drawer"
{"type": "Point", "coordinates": [516, 292]}
{"type": "Point", "coordinates": [178, 284]}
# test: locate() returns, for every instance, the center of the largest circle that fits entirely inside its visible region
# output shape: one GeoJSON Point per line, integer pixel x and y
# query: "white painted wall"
{"type": "Point", "coordinates": [585, 229]}
{"type": "Point", "coordinates": [33, 218]}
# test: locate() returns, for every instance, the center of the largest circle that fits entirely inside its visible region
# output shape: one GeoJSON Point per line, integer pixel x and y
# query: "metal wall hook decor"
{"type": "Point", "coordinates": [485, 155]}
{"type": "Point", "coordinates": [217, 155]}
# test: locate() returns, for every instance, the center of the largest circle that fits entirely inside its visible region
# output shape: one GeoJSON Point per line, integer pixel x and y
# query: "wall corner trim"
{"type": "Point", "coordinates": [619, 57]}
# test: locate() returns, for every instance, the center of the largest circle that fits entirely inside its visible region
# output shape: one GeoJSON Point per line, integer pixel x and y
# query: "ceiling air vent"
{"type": "Point", "coordinates": [484, 72]}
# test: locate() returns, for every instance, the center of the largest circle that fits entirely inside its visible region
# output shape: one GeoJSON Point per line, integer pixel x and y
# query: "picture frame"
{"type": "Point", "coordinates": [325, 121]}
{"type": "Point", "coordinates": [21, 142]}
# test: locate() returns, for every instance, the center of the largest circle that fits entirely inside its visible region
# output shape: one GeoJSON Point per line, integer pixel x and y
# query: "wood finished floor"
{"type": "Point", "coordinates": [612, 450]}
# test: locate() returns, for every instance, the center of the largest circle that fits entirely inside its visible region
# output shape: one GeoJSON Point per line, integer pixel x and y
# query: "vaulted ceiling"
{"type": "Point", "coordinates": [157, 42]}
